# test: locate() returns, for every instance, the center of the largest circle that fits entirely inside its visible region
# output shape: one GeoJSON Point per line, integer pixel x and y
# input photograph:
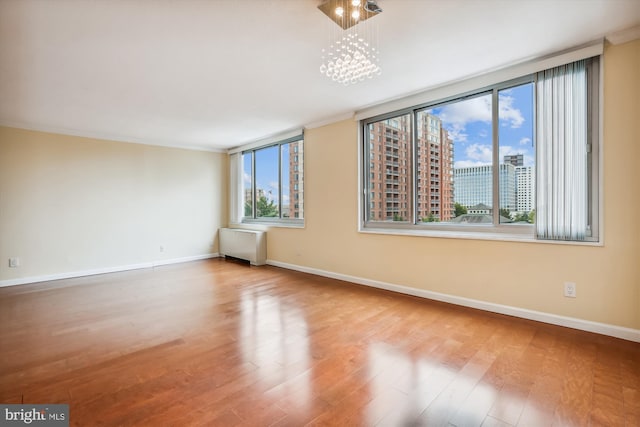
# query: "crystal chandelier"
{"type": "Point", "coordinates": [352, 55]}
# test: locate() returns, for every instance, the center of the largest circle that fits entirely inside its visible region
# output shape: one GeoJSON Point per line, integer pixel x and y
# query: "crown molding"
{"type": "Point", "coordinates": [624, 36]}
{"type": "Point", "coordinates": [104, 136]}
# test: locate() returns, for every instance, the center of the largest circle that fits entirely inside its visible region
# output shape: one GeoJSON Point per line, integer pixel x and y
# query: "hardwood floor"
{"type": "Point", "coordinates": [222, 344]}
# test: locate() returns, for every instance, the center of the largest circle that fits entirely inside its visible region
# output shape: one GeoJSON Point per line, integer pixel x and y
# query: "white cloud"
{"type": "Point", "coordinates": [457, 134]}
{"type": "Point", "coordinates": [525, 141]}
{"type": "Point", "coordinates": [458, 115]}
{"type": "Point", "coordinates": [247, 178]}
{"type": "Point", "coordinates": [470, 110]}
{"type": "Point", "coordinates": [479, 153]}
{"type": "Point", "coordinates": [512, 116]}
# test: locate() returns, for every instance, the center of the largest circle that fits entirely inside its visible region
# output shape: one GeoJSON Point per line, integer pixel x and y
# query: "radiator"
{"type": "Point", "coordinates": [244, 244]}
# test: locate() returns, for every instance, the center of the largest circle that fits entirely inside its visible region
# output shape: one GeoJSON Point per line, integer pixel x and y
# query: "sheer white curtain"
{"type": "Point", "coordinates": [235, 188]}
{"type": "Point", "coordinates": [561, 165]}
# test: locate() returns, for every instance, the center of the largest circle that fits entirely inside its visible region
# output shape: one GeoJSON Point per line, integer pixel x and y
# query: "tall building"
{"type": "Point", "coordinates": [391, 166]}
{"type": "Point", "coordinates": [296, 178]}
{"type": "Point", "coordinates": [389, 179]}
{"type": "Point", "coordinates": [525, 188]}
{"type": "Point", "coordinates": [435, 170]}
{"type": "Point", "coordinates": [525, 183]}
{"type": "Point", "coordinates": [474, 185]}
{"type": "Point", "coordinates": [514, 159]}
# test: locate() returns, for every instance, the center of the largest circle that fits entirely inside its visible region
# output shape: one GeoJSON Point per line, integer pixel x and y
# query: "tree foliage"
{"type": "Point", "coordinates": [431, 218]}
{"type": "Point", "coordinates": [264, 208]}
{"type": "Point", "coordinates": [505, 213]}
{"type": "Point", "coordinates": [529, 217]}
{"type": "Point", "coordinates": [459, 209]}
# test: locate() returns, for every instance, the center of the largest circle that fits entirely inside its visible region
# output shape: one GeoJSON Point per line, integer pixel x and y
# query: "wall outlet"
{"type": "Point", "coordinates": [570, 290]}
{"type": "Point", "coordinates": [161, 248]}
{"type": "Point", "coordinates": [14, 262]}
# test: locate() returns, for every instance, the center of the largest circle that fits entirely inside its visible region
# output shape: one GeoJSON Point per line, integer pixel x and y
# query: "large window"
{"type": "Point", "coordinates": [469, 163]}
{"type": "Point", "coordinates": [273, 178]}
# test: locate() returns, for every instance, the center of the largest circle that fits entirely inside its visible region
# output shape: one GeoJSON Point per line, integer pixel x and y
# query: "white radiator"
{"type": "Point", "coordinates": [244, 244]}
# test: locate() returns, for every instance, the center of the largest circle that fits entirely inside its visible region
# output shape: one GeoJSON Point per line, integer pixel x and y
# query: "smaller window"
{"type": "Point", "coordinates": [270, 184]}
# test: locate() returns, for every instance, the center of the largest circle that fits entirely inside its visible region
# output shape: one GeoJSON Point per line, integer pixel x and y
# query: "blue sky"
{"type": "Point", "coordinates": [267, 172]}
{"type": "Point", "coordinates": [469, 125]}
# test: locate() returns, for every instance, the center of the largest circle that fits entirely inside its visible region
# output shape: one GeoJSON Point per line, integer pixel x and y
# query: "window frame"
{"type": "Point", "coordinates": [496, 230]}
{"type": "Point", "coordinates": [279, 220]}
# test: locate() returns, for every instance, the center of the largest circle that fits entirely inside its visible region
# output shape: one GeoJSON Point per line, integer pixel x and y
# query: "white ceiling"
{"type": "Point", "coordinates": [215, 74]}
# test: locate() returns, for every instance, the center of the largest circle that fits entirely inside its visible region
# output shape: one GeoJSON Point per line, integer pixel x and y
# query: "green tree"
{"type": "Point", "coordinates": [459, 209]}
{"type": "Point", "coordinates": [505, 213]}
{"type": "Point", "coordinates": [266, 208]}
{"type": "Point", "coordinates": [522, 217]}
{"type": "Point", "coordinates": [397, 217]}
{"type": "Point", "coordinates": [430, 218]}
{"type": "Point", "coordinates": [529, 217]}
{"type": "Point", "coordinates": [247, 208]}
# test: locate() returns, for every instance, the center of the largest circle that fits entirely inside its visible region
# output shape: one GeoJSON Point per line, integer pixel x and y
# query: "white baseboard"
{"type": "Point", "coordinates": [185, 259]}
{"type": "Point", "coordinates": [72, 274]}
{"type": "Point", "coordinates": [569, 322]}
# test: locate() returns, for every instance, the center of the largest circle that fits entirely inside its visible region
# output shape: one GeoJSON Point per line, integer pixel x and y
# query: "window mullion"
{"type": "Point", "coordinates": [280, 181]}
{"type": "Point", "coordinates": [366, 171]}
{"type": "Point", "coordinates": [495, 151]}
{"type": "Point", "coordinates": [414, 163]}
{"type": "Point", "coordinates": [254, 212]}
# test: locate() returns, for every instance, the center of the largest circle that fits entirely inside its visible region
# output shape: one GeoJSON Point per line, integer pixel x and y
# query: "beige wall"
{"type": "Point", "coordinates": [71, 204]}
{"type": "Point", "coordinates": [524, 275]}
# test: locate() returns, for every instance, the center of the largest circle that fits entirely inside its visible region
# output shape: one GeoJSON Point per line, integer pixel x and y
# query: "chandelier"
{"type": "Point", "coordinates": [352, 55]}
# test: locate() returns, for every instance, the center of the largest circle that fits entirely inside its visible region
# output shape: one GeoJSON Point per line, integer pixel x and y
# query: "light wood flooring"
{"type": "Point", "coordinates": [217, 343]}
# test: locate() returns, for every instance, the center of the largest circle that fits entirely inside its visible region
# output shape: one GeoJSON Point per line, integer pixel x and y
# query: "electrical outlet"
{"type": "Point", "coordinates": [161, 248]}
{"type": "Point", "coordinates": [570, 289]}
{"type": "Point", "coordinates": [14, 262]}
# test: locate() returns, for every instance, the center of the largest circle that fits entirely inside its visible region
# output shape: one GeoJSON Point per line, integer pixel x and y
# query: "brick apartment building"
{"type": "Point", "coordinates": [391, 170]}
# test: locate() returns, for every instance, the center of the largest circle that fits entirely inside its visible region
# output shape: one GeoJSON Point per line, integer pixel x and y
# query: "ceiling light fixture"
{"type": "Point", "coordinates": [372, 6]}
{"type": "Point", "coordinates": [352, 55]}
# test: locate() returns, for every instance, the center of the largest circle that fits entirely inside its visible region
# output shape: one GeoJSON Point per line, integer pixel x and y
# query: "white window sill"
{"type": "Point", "coordinates": [266, 223]}
{"type": "Point", "coordinates": [503, 233]}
